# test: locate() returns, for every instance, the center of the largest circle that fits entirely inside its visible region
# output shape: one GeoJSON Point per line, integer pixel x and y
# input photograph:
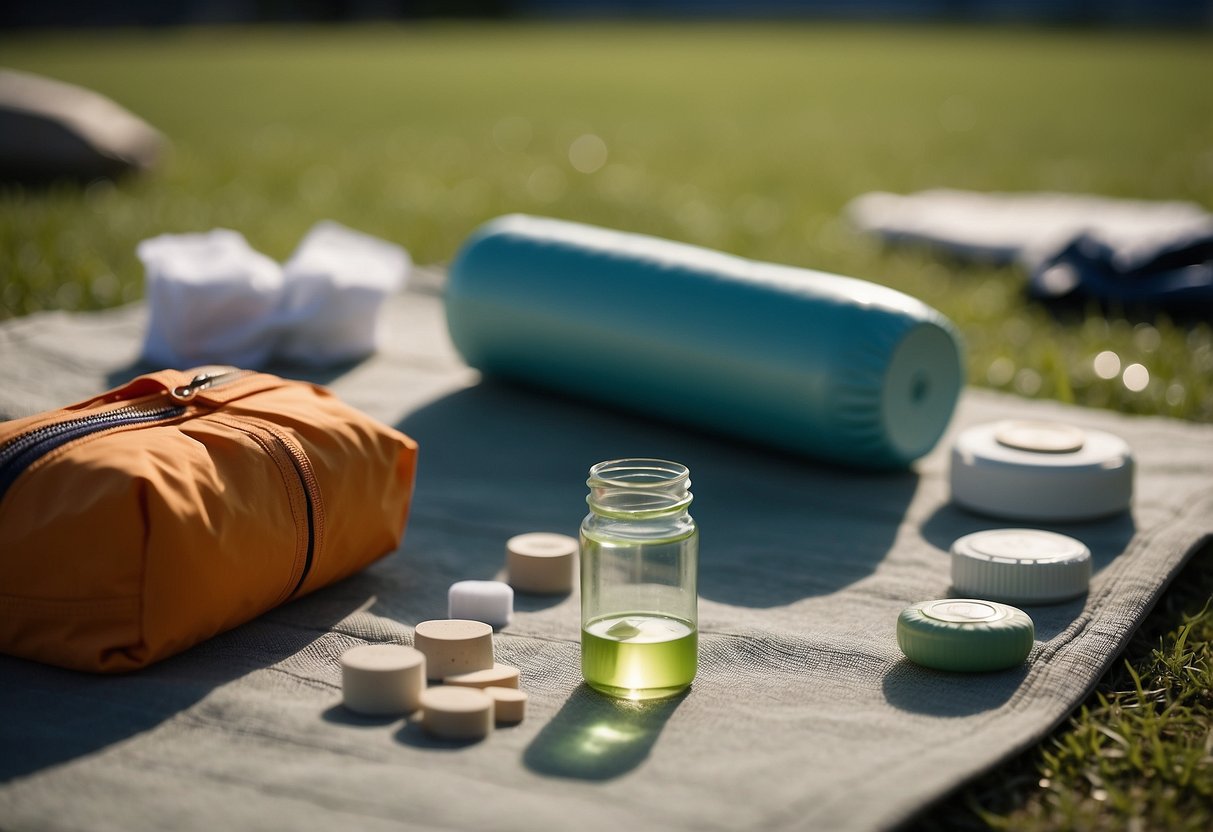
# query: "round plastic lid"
{"type": "Point", "coordinates": [1020, 566]}
{"type": "Point", "coordinates": [965, 635]}
{"type": "Point", "coordinates": [1040, 471]}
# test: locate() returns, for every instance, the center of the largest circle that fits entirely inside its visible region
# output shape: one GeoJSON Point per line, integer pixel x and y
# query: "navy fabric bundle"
{"type": "Point", "coordinates": [1177, 274]}
{"type": "Point", "coordinates": [1072, 247]}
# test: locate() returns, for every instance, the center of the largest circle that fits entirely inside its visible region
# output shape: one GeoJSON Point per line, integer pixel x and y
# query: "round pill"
{"type": "Point", "coordinates": [965, 635]}
{"type": "Point", "coordinates": [1020, 566]}
{"type": "Point", "coordinates": [509, 704]}
{"type": "Point", "coordinates": [1022, 471]}
{"type": "Point", "coordinates": [454, 645]}
{"type": "Point", "coordinates": [456, 713]}
{"type": "Point", "coordinates": [499, 675]}
{"type": "Point", "coordinates": [382, 679]}
{"type": "Point", "coordinates": [542, 563]}
{"type": "Point", "coordinates": [1040, 437]}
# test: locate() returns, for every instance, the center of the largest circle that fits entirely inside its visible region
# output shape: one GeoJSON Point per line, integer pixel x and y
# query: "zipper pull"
{"type": "Point", "coordinates": [202, 381]}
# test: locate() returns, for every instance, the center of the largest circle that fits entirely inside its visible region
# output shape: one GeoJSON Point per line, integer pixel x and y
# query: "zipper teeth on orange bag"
{"type": "Point", "coordinates": [263, 431]}
{"type": "Point", "coordinates": [23, 450]}
{"type": "Point", "coordinates": [311, 492]}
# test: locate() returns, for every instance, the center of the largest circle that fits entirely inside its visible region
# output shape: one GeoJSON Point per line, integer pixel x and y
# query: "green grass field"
{"type": "Point", "coordinates": [747, 138]}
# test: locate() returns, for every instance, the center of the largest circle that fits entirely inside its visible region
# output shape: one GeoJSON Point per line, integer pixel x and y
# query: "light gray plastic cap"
{"type": "Point", "coordinates": [1020, 566]}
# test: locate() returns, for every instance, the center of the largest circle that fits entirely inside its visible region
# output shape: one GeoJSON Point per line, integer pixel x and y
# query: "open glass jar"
{"type": "Point", "coordinates": [639, 568]}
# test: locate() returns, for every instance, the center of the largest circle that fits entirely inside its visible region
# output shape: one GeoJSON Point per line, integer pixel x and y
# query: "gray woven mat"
{"type": "Point", "coordinates": [804, 713]}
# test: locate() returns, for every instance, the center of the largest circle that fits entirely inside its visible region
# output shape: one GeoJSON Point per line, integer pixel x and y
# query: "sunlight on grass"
{"type": "Point", "coordinates": [749, 139]}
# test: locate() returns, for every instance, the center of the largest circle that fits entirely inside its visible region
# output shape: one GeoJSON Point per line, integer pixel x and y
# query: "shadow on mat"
{"type": "Point", "coordinates": [65, 714]}
{"type": "Point", "coordinates": [413, 734]}
{"type": "Point", "coordinates": [595, 737]}
{"type": "Point", "coordinates": [936, 693]}
{"type": "Point", "coordinates": [774, 528]}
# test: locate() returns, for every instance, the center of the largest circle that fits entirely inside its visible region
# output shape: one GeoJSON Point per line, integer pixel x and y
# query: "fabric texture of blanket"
{"type": "Point", "coordinates": [804, 713]}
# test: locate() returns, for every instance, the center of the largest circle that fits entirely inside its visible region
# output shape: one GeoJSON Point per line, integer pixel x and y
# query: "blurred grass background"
{"type": "Point", "coordinates": [746, 138]}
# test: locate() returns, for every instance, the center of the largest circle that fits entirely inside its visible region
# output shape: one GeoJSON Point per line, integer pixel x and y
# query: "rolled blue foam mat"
{"type": "Point", "coordinates": [829, 367]}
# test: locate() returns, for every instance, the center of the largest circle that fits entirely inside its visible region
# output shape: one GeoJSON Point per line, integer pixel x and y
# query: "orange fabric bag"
{"type": "Point", "coordinates": [145, 520]}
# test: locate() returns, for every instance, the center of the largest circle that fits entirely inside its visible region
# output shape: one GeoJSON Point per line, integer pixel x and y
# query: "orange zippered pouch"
{"type": "Point", "coordinates": [140, 522]}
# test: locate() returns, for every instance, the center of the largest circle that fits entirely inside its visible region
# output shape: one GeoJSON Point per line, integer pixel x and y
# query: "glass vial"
{"type": "Point", "coordinates": [639, 567]}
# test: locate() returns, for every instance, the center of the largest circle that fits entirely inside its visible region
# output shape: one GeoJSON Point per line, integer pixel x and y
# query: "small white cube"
{"type": "Point", "coordinates": [489, 601]}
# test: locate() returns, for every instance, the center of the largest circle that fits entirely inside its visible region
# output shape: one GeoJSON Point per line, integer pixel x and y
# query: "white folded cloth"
{"type": "Point", "coordinates": [335, 282]}
{"type": "Point", "coordinates": [213, 299]}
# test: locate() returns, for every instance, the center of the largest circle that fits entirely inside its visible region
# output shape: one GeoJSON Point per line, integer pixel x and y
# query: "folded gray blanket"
{"type": "Point", "coordinates": [1071, 246]}
{"type": "Point", "coordinates": [804, 713]}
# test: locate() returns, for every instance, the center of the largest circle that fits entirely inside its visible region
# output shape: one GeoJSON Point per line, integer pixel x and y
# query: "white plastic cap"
{"type": "Point", "coordinates": [1020, 566]}
{"type": "Point", "coordinates": [1040, 471]}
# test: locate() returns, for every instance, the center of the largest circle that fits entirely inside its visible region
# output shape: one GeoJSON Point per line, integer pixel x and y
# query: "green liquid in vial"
{"type": "Point", "coordinates": [639, 655]}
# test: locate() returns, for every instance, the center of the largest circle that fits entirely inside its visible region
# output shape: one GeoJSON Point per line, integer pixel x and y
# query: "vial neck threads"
{"type": "Point", "coordinates": [639, 488]}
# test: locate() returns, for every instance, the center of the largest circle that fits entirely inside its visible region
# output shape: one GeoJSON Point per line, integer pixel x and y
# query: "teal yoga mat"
{"type": "Point", "coordinates": [830, 367]}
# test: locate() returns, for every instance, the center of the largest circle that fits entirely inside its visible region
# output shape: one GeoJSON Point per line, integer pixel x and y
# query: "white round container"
{"type": "Point", "coordinates": [1041, 471]}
